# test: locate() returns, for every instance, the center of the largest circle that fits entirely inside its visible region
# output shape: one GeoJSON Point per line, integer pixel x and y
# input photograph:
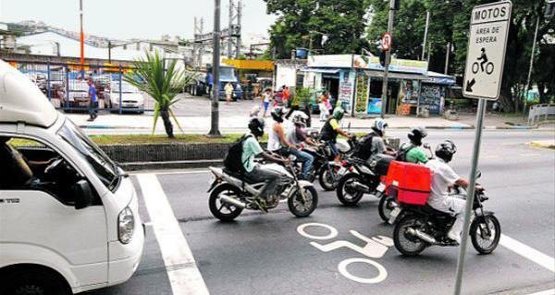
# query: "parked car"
{"type": "Point", "coordinates": [77, 97]}
{"type": "Point", "coordinates": [130, 99]}
{"type": "Point", "coordinates": [69, 219]}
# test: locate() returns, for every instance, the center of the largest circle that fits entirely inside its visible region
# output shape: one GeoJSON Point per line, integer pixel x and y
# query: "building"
{"type": "Point", "coordinates": [357, 82]}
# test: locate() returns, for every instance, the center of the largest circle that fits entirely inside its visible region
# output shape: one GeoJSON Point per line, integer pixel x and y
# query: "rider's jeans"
{"type": "Point", "coordinates": [455, 206]}
{"type": "Point", "coordinates": [272, 178]}
{"type": "Point", "coordinates": [307, 160]}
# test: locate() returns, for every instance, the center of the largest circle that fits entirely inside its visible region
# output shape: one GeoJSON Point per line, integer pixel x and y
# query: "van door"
{"type": "Point", "coordinates": [37, 212]}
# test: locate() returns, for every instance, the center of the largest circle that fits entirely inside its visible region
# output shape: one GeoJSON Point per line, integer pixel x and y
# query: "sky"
{"type": "Point", "coordinates": [126, 19]}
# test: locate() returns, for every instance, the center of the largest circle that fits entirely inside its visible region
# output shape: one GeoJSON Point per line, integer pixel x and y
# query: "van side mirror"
{"type": "Point", "coordinates": [83, 194]}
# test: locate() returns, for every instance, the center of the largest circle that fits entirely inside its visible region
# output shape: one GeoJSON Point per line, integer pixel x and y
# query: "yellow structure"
{"type": "Point", "coordinates": [250, 64]}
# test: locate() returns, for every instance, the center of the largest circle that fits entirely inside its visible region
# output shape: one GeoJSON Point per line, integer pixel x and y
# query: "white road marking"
{"type": "Point", "coordinates": [546, 292]}
{"type": "Point", "coordinates": [528, 252]}
{"type": "Point", "coordinates": [183, 273]}
{"type": "Point", "coordinates": [170, 172]}
{"type": "Point", "coordinates": [382, 272]}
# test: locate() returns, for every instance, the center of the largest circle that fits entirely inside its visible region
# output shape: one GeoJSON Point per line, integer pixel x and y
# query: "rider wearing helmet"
{"type": "Point", "coordinates": [412, 152]}
{"type": "Point", "coordinates": [378, 144]}
{"type": "Point", "coordinates": [278, 142]}
{"type": "Point", "coordinates": [257, 172]}
{"type": "Point", "coordinates": [331, 129]}
{"type": "Point", "coordinates": [296, 135]}
{"type": "Point", "coordinates": [444, 177]}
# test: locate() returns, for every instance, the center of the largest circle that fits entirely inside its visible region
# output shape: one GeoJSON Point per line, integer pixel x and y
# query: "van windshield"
{"type": "Point", "coordinates": [104, 168]}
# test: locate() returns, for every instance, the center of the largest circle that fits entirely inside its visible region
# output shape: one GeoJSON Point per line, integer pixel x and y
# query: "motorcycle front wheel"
{"type": "Point", "coordinates": [222, 210]}
{"type": "Point", "coordinates": [405, 243]}
{"type": "Point", "coordinates": [386, 205]}
{"type": "Point", "coordinates": [485, 232]}
{"type": "Point", "coordinates": [346, 193]}
{"type": "Point", "coordinates": [303, 207]}
{"type": "Point", "coordinates": [326, 179]}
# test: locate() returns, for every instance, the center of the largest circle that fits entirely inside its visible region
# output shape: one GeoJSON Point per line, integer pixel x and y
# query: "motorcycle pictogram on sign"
{"type": "Point", "coordinates": [484, 65]}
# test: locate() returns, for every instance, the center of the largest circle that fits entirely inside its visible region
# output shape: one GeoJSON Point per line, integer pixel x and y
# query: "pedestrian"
{"type": "Point", "coordinates": [93, 101]}
{"type": "Point", "coordinates": [228, 92]}
{"type": "Point", "coordinates": [323, 106]}
{"type": "Point", "coordinates": [286, 95]}
{"type": "Point", "coordinates": [209, 82]}
{"type": "Point", "coordinates": [266, 98]}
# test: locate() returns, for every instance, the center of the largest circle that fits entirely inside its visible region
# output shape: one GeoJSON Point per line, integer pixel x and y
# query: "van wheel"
{"type": "Point", "coordinates": [25, 282]}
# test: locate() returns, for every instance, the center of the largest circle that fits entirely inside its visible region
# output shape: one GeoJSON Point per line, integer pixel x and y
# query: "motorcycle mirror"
{"type": "Point", "coordinates": [426, 145]}
{"type": "Point", "coordinates": [478, 173]}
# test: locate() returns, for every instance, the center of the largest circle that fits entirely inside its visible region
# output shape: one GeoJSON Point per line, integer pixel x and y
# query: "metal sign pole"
{"type": "Point", "coordinates": [215, 119]}
{"type": "Point", "coordinates": [470, 194]}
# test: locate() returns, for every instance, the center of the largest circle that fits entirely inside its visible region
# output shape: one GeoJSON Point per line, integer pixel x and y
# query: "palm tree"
{"type": "Point", "coordinates": [162, 84]}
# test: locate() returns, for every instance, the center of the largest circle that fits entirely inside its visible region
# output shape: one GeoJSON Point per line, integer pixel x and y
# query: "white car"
{"type": "Point", "coordinates": [69, 215]}
{"type": "Point", "coordinates": [128, 99]}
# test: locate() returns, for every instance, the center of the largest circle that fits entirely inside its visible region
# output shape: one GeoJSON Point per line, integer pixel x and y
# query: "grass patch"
{"type": "Point", "coordinates": [162, 139]}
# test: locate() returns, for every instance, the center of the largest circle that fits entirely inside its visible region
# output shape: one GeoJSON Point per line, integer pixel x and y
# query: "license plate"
{"type": "Point", "coordinates": [394, 215]}
{"type": "Point", "coordinates": [381, 188]}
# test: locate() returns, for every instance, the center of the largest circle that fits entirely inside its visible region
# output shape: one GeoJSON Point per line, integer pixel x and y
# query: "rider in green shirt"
{"type": "Point", "coordinates": [413, 150]}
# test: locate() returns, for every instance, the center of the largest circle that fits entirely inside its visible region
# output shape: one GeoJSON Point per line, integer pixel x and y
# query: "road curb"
{"type": "Point", "coordinates": [164, 165]}
{"type": "Point", "coordinates": [543, 144]}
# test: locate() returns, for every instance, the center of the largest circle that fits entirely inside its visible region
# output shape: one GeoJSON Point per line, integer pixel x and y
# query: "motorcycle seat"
{"type": "Point", "coordinates": [245, 178]}
{"type": "Point", "coordinates": [429, 210]}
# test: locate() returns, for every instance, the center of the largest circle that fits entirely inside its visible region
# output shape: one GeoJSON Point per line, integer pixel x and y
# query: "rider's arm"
{"type": "Point", "coordinates": [279, 130]}
{"type": "Point", "coordinates": [272, 157]}
{"type": "Point", "coordinates": [462, 182]}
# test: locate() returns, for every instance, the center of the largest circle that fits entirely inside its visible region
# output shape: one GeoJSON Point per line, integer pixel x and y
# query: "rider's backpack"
{"type": "Point", "coordinates": [363, 150]}
{"type": "Point", "coordinates": [403, 152]}
{"type": "Point", "coordinates": [232, 160]}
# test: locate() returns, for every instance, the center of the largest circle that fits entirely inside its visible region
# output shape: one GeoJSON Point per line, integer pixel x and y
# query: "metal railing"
{"type": "Point", "coordinates": [65, 85]}
{"type": "Point", "coordinates": [540, 112]}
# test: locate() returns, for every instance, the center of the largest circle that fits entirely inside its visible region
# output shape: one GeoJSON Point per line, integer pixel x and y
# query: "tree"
{"type": "Point", "coordinates": [450, 21]}
{"type": "Point", "coordinates": [162, 84]}
{"type": "Point", "coordinates": [301, 21]}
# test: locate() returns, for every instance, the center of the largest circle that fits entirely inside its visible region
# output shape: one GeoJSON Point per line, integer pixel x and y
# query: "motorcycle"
{"type": "Point", "coordinates": [420, 227]}
{"type": "Point", "coordinates": [362, 179]}
{"type": "Point", "coordinates": [231, 193]}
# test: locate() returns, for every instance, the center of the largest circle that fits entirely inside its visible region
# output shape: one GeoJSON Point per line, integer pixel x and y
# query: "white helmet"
{"type": "Point", "coordinates": [379, 126]}
{"type": "Point", "coordinates": [299, 117]}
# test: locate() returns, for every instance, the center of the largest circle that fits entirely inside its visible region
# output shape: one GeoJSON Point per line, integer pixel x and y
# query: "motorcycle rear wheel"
{"type": "Point", "coordinates": [404, 243]}
{"type": "Point", "coordinates": [298, 206]}
{"type": "Point", "coordinates": [221, 210]}
{"type": "Point", "coordinates": [385, 207]}
{"type": "Point", "coordinates": [327, 181]}
{"type": "Point", "coordinates": [482, 242]}
{"type": "Point", "coordinates": [348, 196]}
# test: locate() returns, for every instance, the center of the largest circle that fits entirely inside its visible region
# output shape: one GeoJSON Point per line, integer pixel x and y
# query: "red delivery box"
{"type": "Point", "coordinates": [413, 182]}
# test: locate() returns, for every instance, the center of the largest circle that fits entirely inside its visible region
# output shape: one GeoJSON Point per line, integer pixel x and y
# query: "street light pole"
{"type": "Point", "coordinates": [425, 34]}
{"type": "Point", "coordinates": [392, 8]}
{"type": "Point", "coordinates": [214, 129]}
{"type": "Point", "coordinates": [82, 40]}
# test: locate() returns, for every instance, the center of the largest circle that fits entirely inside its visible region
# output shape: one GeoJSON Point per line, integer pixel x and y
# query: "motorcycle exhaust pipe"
{"type": "Point", "coordinates": [232, 201]}
{"type": "Point", "coordinates": [361, 187]}
{"type": "Point", "coordinates": [424, 237]}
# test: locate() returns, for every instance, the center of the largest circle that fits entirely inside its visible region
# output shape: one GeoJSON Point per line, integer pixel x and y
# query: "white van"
{"type": "Point", "coordinates": [69, 217]}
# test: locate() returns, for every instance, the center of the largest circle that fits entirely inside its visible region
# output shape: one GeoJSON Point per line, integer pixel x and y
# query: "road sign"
{"type": "Point", "coordinates": [489, 27]}
{"type": "Point", "coordinates": [386, 41]}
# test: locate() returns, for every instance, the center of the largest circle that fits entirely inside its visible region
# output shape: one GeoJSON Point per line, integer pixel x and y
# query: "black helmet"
{"type": "Point", "coordinates": [277, 114]}
{"type": "Point", "coordinates": [446, 150]}
{"type": "Point", "coordinates": [416, 135]}
{"type": "Point", "coordinates": [256, 126]}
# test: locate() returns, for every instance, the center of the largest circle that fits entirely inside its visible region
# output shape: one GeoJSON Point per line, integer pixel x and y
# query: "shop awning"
{"type": "Point", "coordinates": [395, 75]}
{"type": "Point", "coordinates": [323, 71]}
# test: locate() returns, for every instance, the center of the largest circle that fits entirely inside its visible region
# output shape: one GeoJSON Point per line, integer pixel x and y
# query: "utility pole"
{"type": "Point", "coordinates": [447, 58]}
{"type": "Point", "coordinates": [230, 40]}
{"type": "Point", "coordinates": [392, 8]}
{"type": "Point", "coordinates": [214, 129]}
{"type": "Point", "coordinates": [238, 44]}
{"type": "Point", "coordinates": [82, 40]}
{"type": "Point", "coordinates": [531, 63]}
{"type": "Point", "coordinates": [425, 34]}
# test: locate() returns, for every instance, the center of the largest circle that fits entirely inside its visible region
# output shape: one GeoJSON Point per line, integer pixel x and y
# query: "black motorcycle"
{"type": "Point", "coordinates": [422, 226]}
{"type": "Point", "coordinates": [362, 179]}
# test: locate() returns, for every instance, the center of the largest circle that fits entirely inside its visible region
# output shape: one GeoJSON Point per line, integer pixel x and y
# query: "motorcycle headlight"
{"type": "Point", "coordinates": [126, 225]}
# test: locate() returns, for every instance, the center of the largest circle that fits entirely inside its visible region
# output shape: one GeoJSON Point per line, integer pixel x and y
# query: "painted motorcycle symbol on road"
{"type": "Point", "coordinates": [375, 247]}
{"type": "Point", "coordinates": [484, 65]}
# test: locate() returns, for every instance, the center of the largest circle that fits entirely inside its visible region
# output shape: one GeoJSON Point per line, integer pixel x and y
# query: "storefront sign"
{"type": "Point", "coordinates": [330, 61]}
{"type": "Point", "coordinates": [362, 86]}
{"type": "Point", "coordinates": [374, 105]}
{"type": "Point", "coordinates": [396, 65]}
{"type": "Point", "coordinates": [346, 89]}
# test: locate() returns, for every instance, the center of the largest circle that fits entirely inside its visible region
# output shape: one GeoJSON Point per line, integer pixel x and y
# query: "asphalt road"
{"type": "Point", "coordinates": [266, 254]}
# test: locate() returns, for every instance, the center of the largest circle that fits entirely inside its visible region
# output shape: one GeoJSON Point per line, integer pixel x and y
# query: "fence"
{"type": "Point", "coordinates": [539, 112]}
{"type": "Point", "coordinates": [65, 85]}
